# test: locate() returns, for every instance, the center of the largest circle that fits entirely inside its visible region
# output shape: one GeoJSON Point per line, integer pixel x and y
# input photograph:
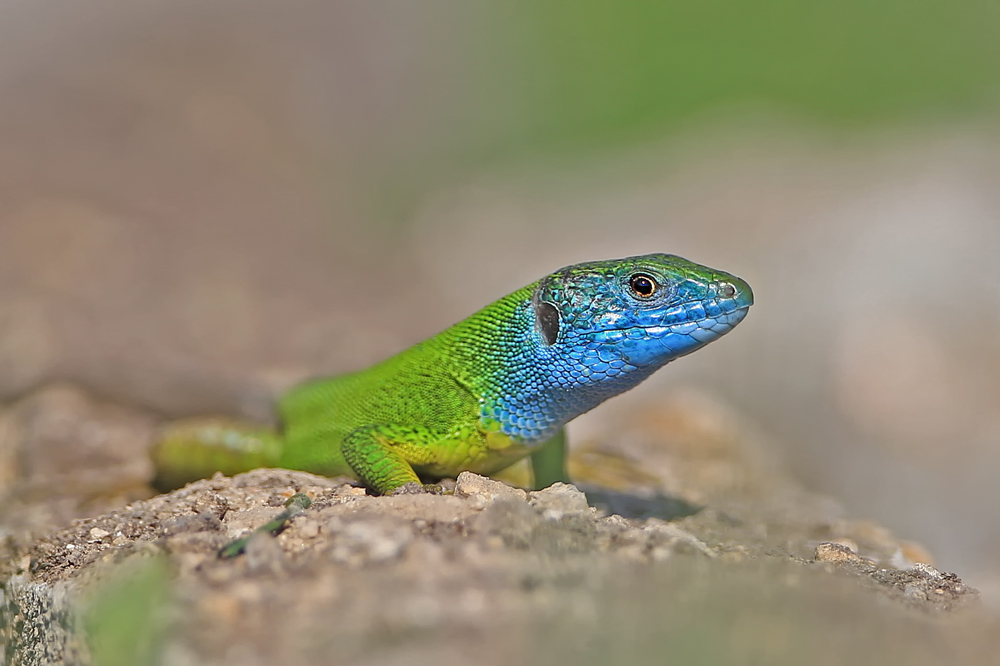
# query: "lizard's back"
{"type": "Point", "coordinates": [415, 388]}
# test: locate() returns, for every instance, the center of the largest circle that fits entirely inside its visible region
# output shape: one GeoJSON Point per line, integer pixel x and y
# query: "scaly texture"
{"type": "Point", "coordinates": [493, 388]}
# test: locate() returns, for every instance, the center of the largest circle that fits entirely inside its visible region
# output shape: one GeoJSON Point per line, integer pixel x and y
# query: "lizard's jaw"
{"type": "Point", "coordinates": [681, 339]}
{"type": "Point", "coordinates": [679, 332]}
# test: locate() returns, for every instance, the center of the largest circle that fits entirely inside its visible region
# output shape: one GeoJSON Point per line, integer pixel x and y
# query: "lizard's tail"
{"type": "Point", "coordinates": [197, 448]}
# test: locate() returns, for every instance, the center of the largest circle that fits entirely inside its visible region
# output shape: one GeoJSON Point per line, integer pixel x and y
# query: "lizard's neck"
{"type": "Point", "coordinates": [527, 388]}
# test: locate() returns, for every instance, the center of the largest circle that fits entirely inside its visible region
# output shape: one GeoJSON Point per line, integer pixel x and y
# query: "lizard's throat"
{"type": "Point", "coordinates": [557, 396]}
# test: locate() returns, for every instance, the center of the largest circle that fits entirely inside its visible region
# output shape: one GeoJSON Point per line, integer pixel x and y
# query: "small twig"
{"type": "Point", "coordinates": [295, 505]}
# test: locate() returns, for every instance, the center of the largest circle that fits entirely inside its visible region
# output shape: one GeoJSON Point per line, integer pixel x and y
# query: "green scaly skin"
{"type": "Point", "coordinates": [486, 392]}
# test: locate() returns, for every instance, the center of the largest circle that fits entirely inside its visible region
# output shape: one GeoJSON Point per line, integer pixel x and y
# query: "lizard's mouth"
{"type": "Point", "coordinates": [676, 337]}
{"type": "Point", "coordinates": [701, 331]}
{"type": "Point", "coordinates": [706, 319]}
{"type": "Point", "coordinates": [683, 329]}
{"type": "Point", "coordinates": [700, 321]}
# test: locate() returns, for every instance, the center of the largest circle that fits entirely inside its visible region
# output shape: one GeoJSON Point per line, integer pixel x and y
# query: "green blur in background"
{"type": "Point", "coordinates": [570, 78]}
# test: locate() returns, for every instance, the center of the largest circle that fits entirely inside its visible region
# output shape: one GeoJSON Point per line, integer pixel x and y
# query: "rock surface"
{"type": "Point", "coordinates": [706, 551]}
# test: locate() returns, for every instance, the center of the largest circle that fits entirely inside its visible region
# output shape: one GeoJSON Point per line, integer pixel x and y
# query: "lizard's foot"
{"type": "Point", "coordinates": [414, 488]}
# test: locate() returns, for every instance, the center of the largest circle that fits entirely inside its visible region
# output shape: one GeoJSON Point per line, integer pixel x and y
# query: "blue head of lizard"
{"type": "Point", "coordinates": [600, 328]}
{"type": "Point", "coordinates": [637, 312]}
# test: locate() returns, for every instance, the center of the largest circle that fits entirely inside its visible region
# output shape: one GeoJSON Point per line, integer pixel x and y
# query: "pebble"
{"type": "Point", "coordinates": [836, 552]}
{"type": "Point", "coordinates": [560, 499]}
{"type": "Point", "coordinates": [469, 485]}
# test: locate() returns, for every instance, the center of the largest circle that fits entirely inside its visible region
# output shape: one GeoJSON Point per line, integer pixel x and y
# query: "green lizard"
{"type": "Point", "coordinates": [486, 392]}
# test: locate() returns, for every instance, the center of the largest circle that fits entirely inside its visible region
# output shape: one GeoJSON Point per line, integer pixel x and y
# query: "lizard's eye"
{"type": "Point", "coordinates": [642, 285]}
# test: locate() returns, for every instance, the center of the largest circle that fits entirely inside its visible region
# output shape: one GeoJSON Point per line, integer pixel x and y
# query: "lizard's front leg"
{"type": "Point", "coordinates": [383, 456]}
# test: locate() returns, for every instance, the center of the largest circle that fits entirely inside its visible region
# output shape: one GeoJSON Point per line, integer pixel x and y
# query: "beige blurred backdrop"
{"type": "Point", "coordinates": [201, 202]}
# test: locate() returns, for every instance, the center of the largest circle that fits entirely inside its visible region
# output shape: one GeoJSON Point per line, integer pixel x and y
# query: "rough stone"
{"type": "Point", "coordinates": [560, 499]}
{"type": "Point", "coordinates": [469, 485]}
{"type": "Point", "coordinates": [481, 574]}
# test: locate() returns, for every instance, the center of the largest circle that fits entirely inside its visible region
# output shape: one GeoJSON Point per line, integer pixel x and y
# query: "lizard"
{"type": "Point", "coordinates": [485, 393]}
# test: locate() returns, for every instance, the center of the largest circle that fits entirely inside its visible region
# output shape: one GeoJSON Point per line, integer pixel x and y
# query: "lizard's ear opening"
{"type": "Point", "coordinates": [547, 316]}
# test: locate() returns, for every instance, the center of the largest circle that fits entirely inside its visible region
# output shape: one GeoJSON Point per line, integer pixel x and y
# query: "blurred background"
{"type": "Point", "coordinates": [202, 202]}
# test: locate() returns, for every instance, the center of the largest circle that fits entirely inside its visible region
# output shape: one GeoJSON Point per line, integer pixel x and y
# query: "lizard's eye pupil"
{"type": "Point", "coordinates": [642, 285]}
